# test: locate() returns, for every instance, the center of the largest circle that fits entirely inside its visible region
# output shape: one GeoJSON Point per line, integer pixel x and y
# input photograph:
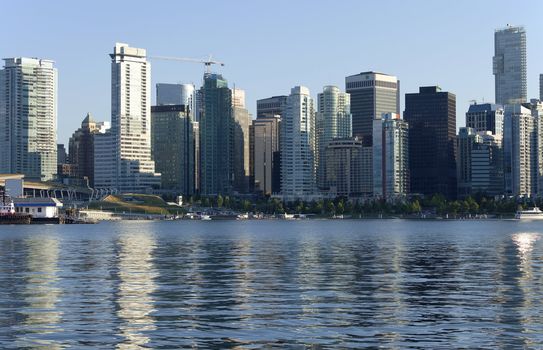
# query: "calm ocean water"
{"type": "Point", "coordinates": [272, 285]}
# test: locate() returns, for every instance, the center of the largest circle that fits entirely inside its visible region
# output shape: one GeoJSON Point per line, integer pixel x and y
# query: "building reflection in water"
{"type": "Point", "coordinates": [41, 294]}
{"type": "Point", "coordinates": [136, 284]}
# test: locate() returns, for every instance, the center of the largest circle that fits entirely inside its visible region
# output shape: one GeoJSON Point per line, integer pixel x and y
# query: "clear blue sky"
{"type": "Point", "coordinates": [269, 47]}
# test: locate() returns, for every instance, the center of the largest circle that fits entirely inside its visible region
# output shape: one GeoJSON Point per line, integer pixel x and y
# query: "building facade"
{"type": "Point", "coordinates": [509, 65]}
{"type": "Point", "coordinates": [176, 94]}
{"type": "Point", "coordinates": [372, 94]}
{"type": "Point", "coordinates": [81, 147]}
{"type": "Point", "coordinates": [487, 166]}
{"type": "Point", "coordinates": [298, 143]}
{"type": "Point", "coordinates": [485, 117]}
{"type": "Point", "coordinates": [390, 157]}
{"type": "Point", "coordinates": [172, 146]}
{"type": "Point", "coordinates": [271, 106]}
{"type": "Point", "coordinates": [266, 131]}
{"type": "Point", "coordinates": [131, 119]}
{"type": "Point", "coordinates": [431, 114]}
{"type": "Point", "coordinates": [28, 118]}
{"type": "Point", "coordinates": [520, 151]}
{"type": "Point", "coordinates": [333, 120]}
{"type": "Point", "coordinates": [466, 141]}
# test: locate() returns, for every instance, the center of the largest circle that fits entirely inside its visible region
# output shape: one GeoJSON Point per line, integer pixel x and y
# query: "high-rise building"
{"type": "Point", "coordinates": [28, 118]}
{"type": "Point", "coordinates": [106, 161]}
{"type": "Point", "coordinates": [176, 94]}
{"type": "Point", "coordinates": [224, 138]}
{"type": "Point", "coordinates": [487, 165]}
{"type": "Point", "coordinates": [266, 132]}
{"type": "Point", "coordinates": [509, 65]}
{"type": "Point", "coordinates": [131, 120]}
{"type": "Point", "coordinates": [466, 141]}
{"type": "Point", "coordinates": [81, 147]}
{"type": "Point", "coordinates": [298, 146]}
{"type": "Point", "coordinates": [520, 142]}
{"type": "Point", "coordinates": [271, 106]}
{"type": "Point", "coordinates": [372, 94]}
{"type": "Point", "coordinates": [172, 145]}
{"type": "Point", "coordinates": [390, 157]}
{"type": "Point", "coordinates": [333, 120]}
{"type": "Point", "coordinates": [431, 114]}
{"type": "Point", "coordinates": [241, 141]}
{"type": "Point", "coordinates": [540, 87]}
{"type": "Point", "coordinates": [348, 168]}
{"type": "Point", "coordinates": [485, 117]}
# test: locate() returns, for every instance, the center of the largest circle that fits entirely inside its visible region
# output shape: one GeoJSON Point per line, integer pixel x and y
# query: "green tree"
{"type": "Point", "coordinates": [220, 201]}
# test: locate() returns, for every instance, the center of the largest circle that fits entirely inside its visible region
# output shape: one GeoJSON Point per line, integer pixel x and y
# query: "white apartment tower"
{"type": "Point", "coordinates": [520, 141]}
{"type": "Point", "coordinates": [131, 121]}
{"type": "Point", "coordinates": [298, 146]}
{"type": "Point", "coordinates": [333, 120]}
{"type": "Point", "coordinates": [28, 118]}
{"type": "Point", "coordinates": [390, 157]}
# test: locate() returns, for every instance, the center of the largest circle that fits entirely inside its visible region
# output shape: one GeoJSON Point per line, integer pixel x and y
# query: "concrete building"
{"type": "Point", "coordinates": [28, 118]}
{"type": "Point", "coordinates": [81, 147]}
{"type": "Point", "coordinates": [266, 131]}
{"type": "Point", "coordinates": [348, 168]}
{"type": "Point", "coordinates": [333, 120]}
{"type": "Point", "coordinates": [131, 119]}
{"type": "Point", "coordinates": [466, 141]}
{"type": "Point", "coordinates": [540, 87]}
{"type": "Point", "coordinates": [485, 117]}
{"type": "Point", "coordinates": [390, 157]}
{"type": "Point", "coordinates": [520, 151]}
{"type": "Point", "coordinates": [172, 146]}
{"type": "Point", "coordinates": [487, 165]}
{"type": "Point", "coordinates": [509, 65]}
{"type": "Point", "coordinates": [431, 114]}
{"type": "Point", "coordinates": [106, 161]}
{"type": "Point", "coordinates": [298, 146]}
{"type": "Point", "coordinates": [271, 106]}
{"type": "Point", "coordinates": [372, 94]}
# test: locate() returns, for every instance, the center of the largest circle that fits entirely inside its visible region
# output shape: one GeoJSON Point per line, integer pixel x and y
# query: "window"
{"type": "Point", "coordinates": [39, 210]}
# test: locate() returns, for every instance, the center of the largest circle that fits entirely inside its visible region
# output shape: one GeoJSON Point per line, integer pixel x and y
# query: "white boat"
{"type": "Point", "coordinates": [529, 214]}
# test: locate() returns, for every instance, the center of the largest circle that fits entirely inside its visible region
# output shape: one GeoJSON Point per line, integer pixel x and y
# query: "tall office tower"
{"type": "Point", "coordinates": [520, 141]}
{"type": "Point", "coordinates": [28, 118]}
{"type": "Point", "coordinates": [333, 120]}
{"type": "Point", "coordinates": [265, 143]}
{"type": "Point", "coordinates": [465, 142]}
{"type": "Point", "coordinates": [485, 117]}
{"type": "Point", "coordinates": [271, 106]}
{"type": "Point", "coordinates": [131, 119]}
{"type": "Point", "coordinates": [196, 146]}
{"type": "Point", "coordinates": [390, 157]}
{"type": "Point", "coordinates": [487, 165]}
{"type": "Point", "coordinates": [298, 146]}
{"type": "Point", "coordinates": [172, 146]}
{"type": "Point", "coordinates": [509, 65]}
{"type": "Point", "coordinates": [241, 141]}
{"type": "Point", "coordinates": [348, 168]}
{"type": "Point", "coordinates": [224, 138]}
{"type": "Point", "coordinates": [372, 94]}
{"type": "Point", "coordinates": [540, 87]}
{"type": "Point", "coordinates": [431, 114]}
{"type": "Point", "coordinates": [176, 94]}
{"type": "Point", "coordinates": [536, 108]}
{"type": "Point", "coordinates": [81, 147]}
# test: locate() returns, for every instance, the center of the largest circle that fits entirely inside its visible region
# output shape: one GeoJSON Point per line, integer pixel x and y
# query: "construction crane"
{"type": "Point", "coordinates": [207, 62]}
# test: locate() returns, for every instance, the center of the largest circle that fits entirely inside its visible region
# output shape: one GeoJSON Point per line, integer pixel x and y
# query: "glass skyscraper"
{"type": "Point", "coordinates": [509, 65]}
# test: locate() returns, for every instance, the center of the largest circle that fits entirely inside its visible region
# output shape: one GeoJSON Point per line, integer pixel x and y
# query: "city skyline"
{"type": "Point", "coordinates": [461, 62]}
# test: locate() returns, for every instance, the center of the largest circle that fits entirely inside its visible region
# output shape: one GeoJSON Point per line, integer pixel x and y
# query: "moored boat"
{"type": "Point", "coordinates": [529, 214]}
